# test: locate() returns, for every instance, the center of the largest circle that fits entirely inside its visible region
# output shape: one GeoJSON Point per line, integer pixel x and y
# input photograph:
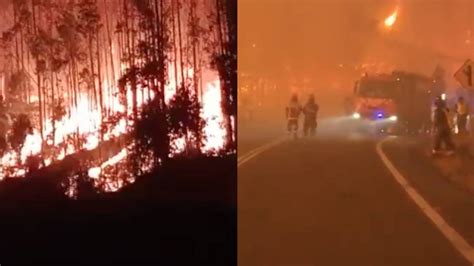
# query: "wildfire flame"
{"type": "Point", "coordinates": [390, 20]}
{"type": "Point", "coordinates": [86, 121]}
{"type": "Point", "coordinates": [76, 120]}
{"type": "Point", "coordinates": [212, 112]}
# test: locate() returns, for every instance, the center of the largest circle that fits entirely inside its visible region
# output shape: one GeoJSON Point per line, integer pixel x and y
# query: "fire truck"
{"type": "Point", "coordinates": [399, 101]}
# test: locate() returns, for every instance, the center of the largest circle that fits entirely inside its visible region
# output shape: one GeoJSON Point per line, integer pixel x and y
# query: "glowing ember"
{"type": "Point", "coordinates": [390, 20]}
{"type": "Point", "coordinates": [178, 145]}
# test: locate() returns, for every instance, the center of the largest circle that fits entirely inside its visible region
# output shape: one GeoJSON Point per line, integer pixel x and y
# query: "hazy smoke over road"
{"type": "Point", "coordinates": [322, 46]}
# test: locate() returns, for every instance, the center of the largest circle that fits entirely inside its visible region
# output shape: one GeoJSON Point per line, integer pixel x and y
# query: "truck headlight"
{"type": "Point", "coordinates": [393, 118]}
{"type": "Point", "coordinates": [356, 115]}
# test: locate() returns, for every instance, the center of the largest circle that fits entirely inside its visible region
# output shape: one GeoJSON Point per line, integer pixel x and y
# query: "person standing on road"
{"type": "Point", "coordinates": [293, 111]}
{"type": "Point", "coordinates": [441, 127]}
{"type": "Point", "coordinates": [310, 112]}
{"type": "Point", "coordinates": [462, 112]}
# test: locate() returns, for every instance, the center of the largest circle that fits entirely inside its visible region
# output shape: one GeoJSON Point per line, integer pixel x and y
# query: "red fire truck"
{"type": "Point", "coordinates": [398, 100]}
{"type": "Point", "coordinates": [374, 98]}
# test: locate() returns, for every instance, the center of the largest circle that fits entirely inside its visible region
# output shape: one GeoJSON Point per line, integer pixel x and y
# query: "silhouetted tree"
{"type": "Point", "coordinates": [183, 115]}
{"type": "Point", "coordinates": [20, 129]}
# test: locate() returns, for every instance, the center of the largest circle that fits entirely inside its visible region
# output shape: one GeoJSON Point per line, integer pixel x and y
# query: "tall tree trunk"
{"type": "Point", "coordinates": [175, 50]}
{"type": "Point", "coordinates": [17, 52]}
{"type": "Point", "coordinates": [161, 20]}
{"type": "Point", "coordinates": [24, 93]}
{"type": "Point", "coordinates": [91, 62]}
{"type": "Point", "coordinates": [195, 40]}
{"type": "Point", "coordinates": [99, 74]}
{"type": "Point", "coordinates": [51, 70]}
{"type": "Point", "coordinates": [219, 28]}
{"type": "Point", "coordinates": [38, 79]}
{"type": "Point", "coordinates": [109, 39]}
{"type": "Point", "coordinates": [181, 54]}
{"type": "Point", "coordinates": [225, 58]}
{"type": "Point", "coordinates": [134, 77]}
{"type": "Point", "coordinates": [194, 24]}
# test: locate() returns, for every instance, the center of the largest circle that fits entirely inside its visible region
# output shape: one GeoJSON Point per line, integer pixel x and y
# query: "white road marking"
{"type": "Point", "coordinates": [257, 151]}
{"type": "Point", "coordinates": [450, 233]}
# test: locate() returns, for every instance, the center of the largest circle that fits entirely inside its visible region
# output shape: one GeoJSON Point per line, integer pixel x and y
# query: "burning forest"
{"type": "Point", "coordinates": [120, 86]}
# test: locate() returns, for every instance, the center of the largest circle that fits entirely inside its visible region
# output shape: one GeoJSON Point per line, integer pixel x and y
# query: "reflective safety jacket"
{"type": "Point", "coordinates": [293, 111]}
{"type": "Point", "coordinates": [462, 109]}
{"type": "Point", "coordinates": [310, 111]}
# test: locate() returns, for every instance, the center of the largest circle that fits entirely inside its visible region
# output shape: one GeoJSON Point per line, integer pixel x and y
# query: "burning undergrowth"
{"type": "Point", "coordinates": [128, 149]}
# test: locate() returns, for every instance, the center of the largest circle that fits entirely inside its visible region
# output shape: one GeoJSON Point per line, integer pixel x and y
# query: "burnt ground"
{"type": "Point", "coordinates": [183, 214]}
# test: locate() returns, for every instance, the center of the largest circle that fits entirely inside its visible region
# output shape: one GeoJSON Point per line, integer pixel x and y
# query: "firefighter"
{"type": "Point", "coordinates": [310, 112]}
{"type": "Point", "coordinates": [442, 127]}
{"type": "Point", "coordinates": [293, 111]}
{"type": "Point", "coordinates": [462, 112]}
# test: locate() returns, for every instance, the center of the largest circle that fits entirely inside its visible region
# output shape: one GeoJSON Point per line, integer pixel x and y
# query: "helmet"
{"type": "Point", "coordinates": [439, 102]}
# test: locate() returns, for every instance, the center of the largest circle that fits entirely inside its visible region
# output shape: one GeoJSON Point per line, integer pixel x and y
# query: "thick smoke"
{"type": "Point", "coordinates": [324, 45]}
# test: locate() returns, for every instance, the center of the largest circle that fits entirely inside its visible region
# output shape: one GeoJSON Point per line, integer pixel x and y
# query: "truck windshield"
{"type": "Point", "coordinates": [376, 89]}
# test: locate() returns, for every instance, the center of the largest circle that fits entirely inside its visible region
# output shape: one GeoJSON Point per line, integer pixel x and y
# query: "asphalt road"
{"type": "Point", "coordinates": [331, 201]}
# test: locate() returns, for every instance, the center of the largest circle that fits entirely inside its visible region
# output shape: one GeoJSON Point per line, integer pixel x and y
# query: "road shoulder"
{"type": "Point", "coordinates": [451, 201]}
{"type": "Point", "coordinates": [445, 228]}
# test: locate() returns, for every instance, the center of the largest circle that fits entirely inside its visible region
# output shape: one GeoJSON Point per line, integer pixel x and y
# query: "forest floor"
{"type": "Point", "coordinates": [184, 213]}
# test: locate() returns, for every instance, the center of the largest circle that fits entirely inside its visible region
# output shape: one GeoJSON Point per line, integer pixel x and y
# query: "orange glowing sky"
{"type": "Point", "coordinates": [331, 43]}
{"type": "Point", "coordinates": [316, 36]}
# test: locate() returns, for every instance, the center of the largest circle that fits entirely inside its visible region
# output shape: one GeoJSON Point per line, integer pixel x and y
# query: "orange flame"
{"type": "Point", "coordinates": [86, 120]}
